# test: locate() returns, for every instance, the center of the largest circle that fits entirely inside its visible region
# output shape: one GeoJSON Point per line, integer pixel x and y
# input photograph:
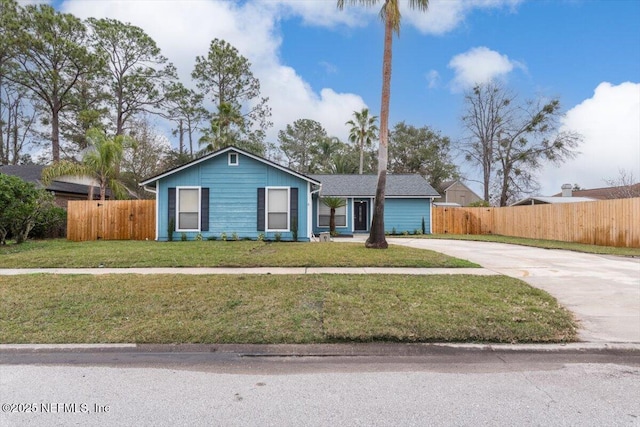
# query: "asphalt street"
{"type": "Point", "coordinates": [422, 386]}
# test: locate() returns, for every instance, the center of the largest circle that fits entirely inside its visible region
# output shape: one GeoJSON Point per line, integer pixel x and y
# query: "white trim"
{"type": "Point", "coordinates": [229, 155]}
{"type": "Point", "coordinates": [266, 210]}
{"type": "Point", "coordinates": [309, 211]}
{"type": "Point", "coordinates": [225, 150]}
{"type": "Point", "coordinates": [346, 214]}
{"type": "Point", "coordinates": [177, 219]}
{"type": "Point", "coordinates": [158, 210]}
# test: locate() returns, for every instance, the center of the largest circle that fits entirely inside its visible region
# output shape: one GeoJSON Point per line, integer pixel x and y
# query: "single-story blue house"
{"type": "Point", "coordinates": [408, 200]}
{"type": "Point", "coordinates": [232, 191]}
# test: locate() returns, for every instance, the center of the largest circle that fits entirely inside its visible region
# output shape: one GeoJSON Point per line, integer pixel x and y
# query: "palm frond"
{"type": "Point", "coordinates": [65, 168]}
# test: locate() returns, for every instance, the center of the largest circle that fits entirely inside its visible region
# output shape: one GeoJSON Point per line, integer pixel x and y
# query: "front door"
{"type": "Point", "coordinates": [360, 215]}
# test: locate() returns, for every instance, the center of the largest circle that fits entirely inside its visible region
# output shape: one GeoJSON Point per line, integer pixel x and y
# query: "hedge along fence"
{"type": "Point", "coordinates": [605, 222]}
{"type": "Point", "coordinates": [111, 220]}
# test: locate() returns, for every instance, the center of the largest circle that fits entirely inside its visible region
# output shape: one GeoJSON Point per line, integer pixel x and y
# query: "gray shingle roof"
{"type": "Point", "coordinates": [401, 185]}
{"type": "Point", "coordinates": [29, 173]}
{"type": "Point", "coordinates": [33, 173]}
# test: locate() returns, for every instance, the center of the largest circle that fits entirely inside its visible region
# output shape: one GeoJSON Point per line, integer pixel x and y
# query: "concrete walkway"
{"type": "Point", "coordinates": [258, 270]}
{"type": "Point", "coordinates": [602, 291]}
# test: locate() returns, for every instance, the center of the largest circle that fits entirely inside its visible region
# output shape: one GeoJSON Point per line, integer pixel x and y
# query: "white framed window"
{"type": "Point", "coordinates": [324, 215]}
{"type": "Point", "coordinates": [278, 208]}
{"type": "Point", "coordinates": [233, 159]}
{"type": "Point", "coordinates": [188, 209]}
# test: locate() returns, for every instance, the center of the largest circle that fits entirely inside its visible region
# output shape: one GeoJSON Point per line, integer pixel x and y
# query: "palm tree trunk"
{"type": "Point", "coordinates": [376, 238]}
{"type": "Point", "coordinates": [361, 155]}
{"type": "Point", "coordinates": [332, 221]}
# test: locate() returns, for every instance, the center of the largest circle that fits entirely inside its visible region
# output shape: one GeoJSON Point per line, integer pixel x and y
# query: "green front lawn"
{"type": "Point", "coordinates": [277, 309]}
{"type": "Point", "coordinates": [65, 254]}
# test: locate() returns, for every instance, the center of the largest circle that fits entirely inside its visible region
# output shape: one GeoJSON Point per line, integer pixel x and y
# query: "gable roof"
{"type": "Point", "coordinates": [446, 186]}
{"type": "Point", "coordinates": [33, 174]}
{"type": "Point", "coordinates": [222, 151]}
{"type": "Point", "coordinates": [401, 185]}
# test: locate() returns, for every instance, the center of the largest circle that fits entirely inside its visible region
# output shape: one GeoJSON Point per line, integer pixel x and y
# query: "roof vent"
{"type": "Point", "coordinates": [567, 190]}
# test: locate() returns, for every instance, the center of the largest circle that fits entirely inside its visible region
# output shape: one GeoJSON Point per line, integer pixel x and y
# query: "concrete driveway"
{"type": "Point", "coordinates": [602, 291]}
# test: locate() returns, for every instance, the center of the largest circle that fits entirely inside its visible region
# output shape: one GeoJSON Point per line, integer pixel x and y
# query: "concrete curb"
{"type": "Point", "coordinates": [325, 350]}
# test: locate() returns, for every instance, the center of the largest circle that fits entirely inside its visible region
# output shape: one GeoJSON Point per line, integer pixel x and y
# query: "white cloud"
{"type": "Point", "coordinates": [183, 30]}
{"type": "Point", "coordinates": [433, 79]}
{"type": "Point", "coordinates": [325, 13]}
{"type": "Point", "coordinates": [186, 32]}
{"type": "Point", "coordinates": [445, 15]}
{"type": "Point", "coordinates": [479, 65]}
{"type": "Point", "coordinates": [610, 124]}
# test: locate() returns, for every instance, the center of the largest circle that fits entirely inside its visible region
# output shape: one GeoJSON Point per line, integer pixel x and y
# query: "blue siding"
{"type": "Point", "coordinates": [233, 196]}
{"type": "Point", "coordinates": [401, 214]}
{"type": "Point", "coordinates": [345, 230]}
{"type": "Point", "coordinates": [406, 215]}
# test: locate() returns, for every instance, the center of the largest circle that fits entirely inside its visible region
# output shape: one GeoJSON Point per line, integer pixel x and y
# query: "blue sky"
{"type": "Point", "coordinates": [319, 63]}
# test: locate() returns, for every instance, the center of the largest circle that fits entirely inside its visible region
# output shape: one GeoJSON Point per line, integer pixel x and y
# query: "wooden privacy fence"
{"type": "Point", "coordinates": [111, 220]}
{"type": "Point", "coordinates": [605, 222]}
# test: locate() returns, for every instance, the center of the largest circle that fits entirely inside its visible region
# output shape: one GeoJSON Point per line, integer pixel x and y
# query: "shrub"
{"type": "Point", "coordinates": [22, 207]}
{"type": "Point", "coordinates": [52, 223]}
{"type": "Point", "coordinates": [277, 237]}
{"type": "Point", "coordinates": [199, 237]}
{"type": "Point", "coordinates": [294, 228]}
{"type": "Point", "coordinates": [183, 237]}
{"type": "Point", "coordinates": [424, 227]}
{"type": "Point", "coordinates": [260, 237]}
{"type": "Point", "coordinates": [211, 238]}
{"type": "Point", "coordinates": [171, 227]}
{"type": "Point", "coordinates": [223, 237]}
{"type": "Point", "coordinates": [234, 236]}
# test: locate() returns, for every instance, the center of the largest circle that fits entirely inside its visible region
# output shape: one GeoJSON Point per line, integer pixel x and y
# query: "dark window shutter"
{"type": "Point", "coordinates": [204, 209]}
{"type": "Point", "coordinates": [261, 209]}
{"type": "Point", "coordinates": [293, 206]}
{"type": "Point", "coordinates": [172, 206]}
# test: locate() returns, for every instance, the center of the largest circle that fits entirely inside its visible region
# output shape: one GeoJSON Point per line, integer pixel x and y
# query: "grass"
{"type": "Point", "coordinates": [64, 254]}
{"type": "Point", "coordinates": [277, 309]}
{"type": "Point", "coordinates": [538, 243]}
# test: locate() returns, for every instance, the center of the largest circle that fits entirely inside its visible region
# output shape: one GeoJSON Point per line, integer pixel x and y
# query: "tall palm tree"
{"type": "Point", "coordinates": [101, 162]}
{"type": "Point", "coordinates": [363, 131]}
{"type": "Point", "coordinates": [390, 15]}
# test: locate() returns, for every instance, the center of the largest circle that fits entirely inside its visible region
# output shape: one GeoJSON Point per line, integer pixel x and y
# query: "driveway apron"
{"type": "Point", "coordinates": [602, 291]}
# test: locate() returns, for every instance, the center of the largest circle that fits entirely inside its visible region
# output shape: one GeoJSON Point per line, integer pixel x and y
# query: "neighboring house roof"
{"type": "Point", "coordinates": [606, 193]}
{"type": "Point", "coordinates": [29, 173]}
{"type": "Point", "coordinates": [33, 173]}
{"type": "Point", "coordinates": [551, 200]}
{"type": "Point", "coordinates": [401, 185]}
{"type": "Point", "coordinates": [222, 151]}
{"type": "Point", "coordinates": [445, 185]}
